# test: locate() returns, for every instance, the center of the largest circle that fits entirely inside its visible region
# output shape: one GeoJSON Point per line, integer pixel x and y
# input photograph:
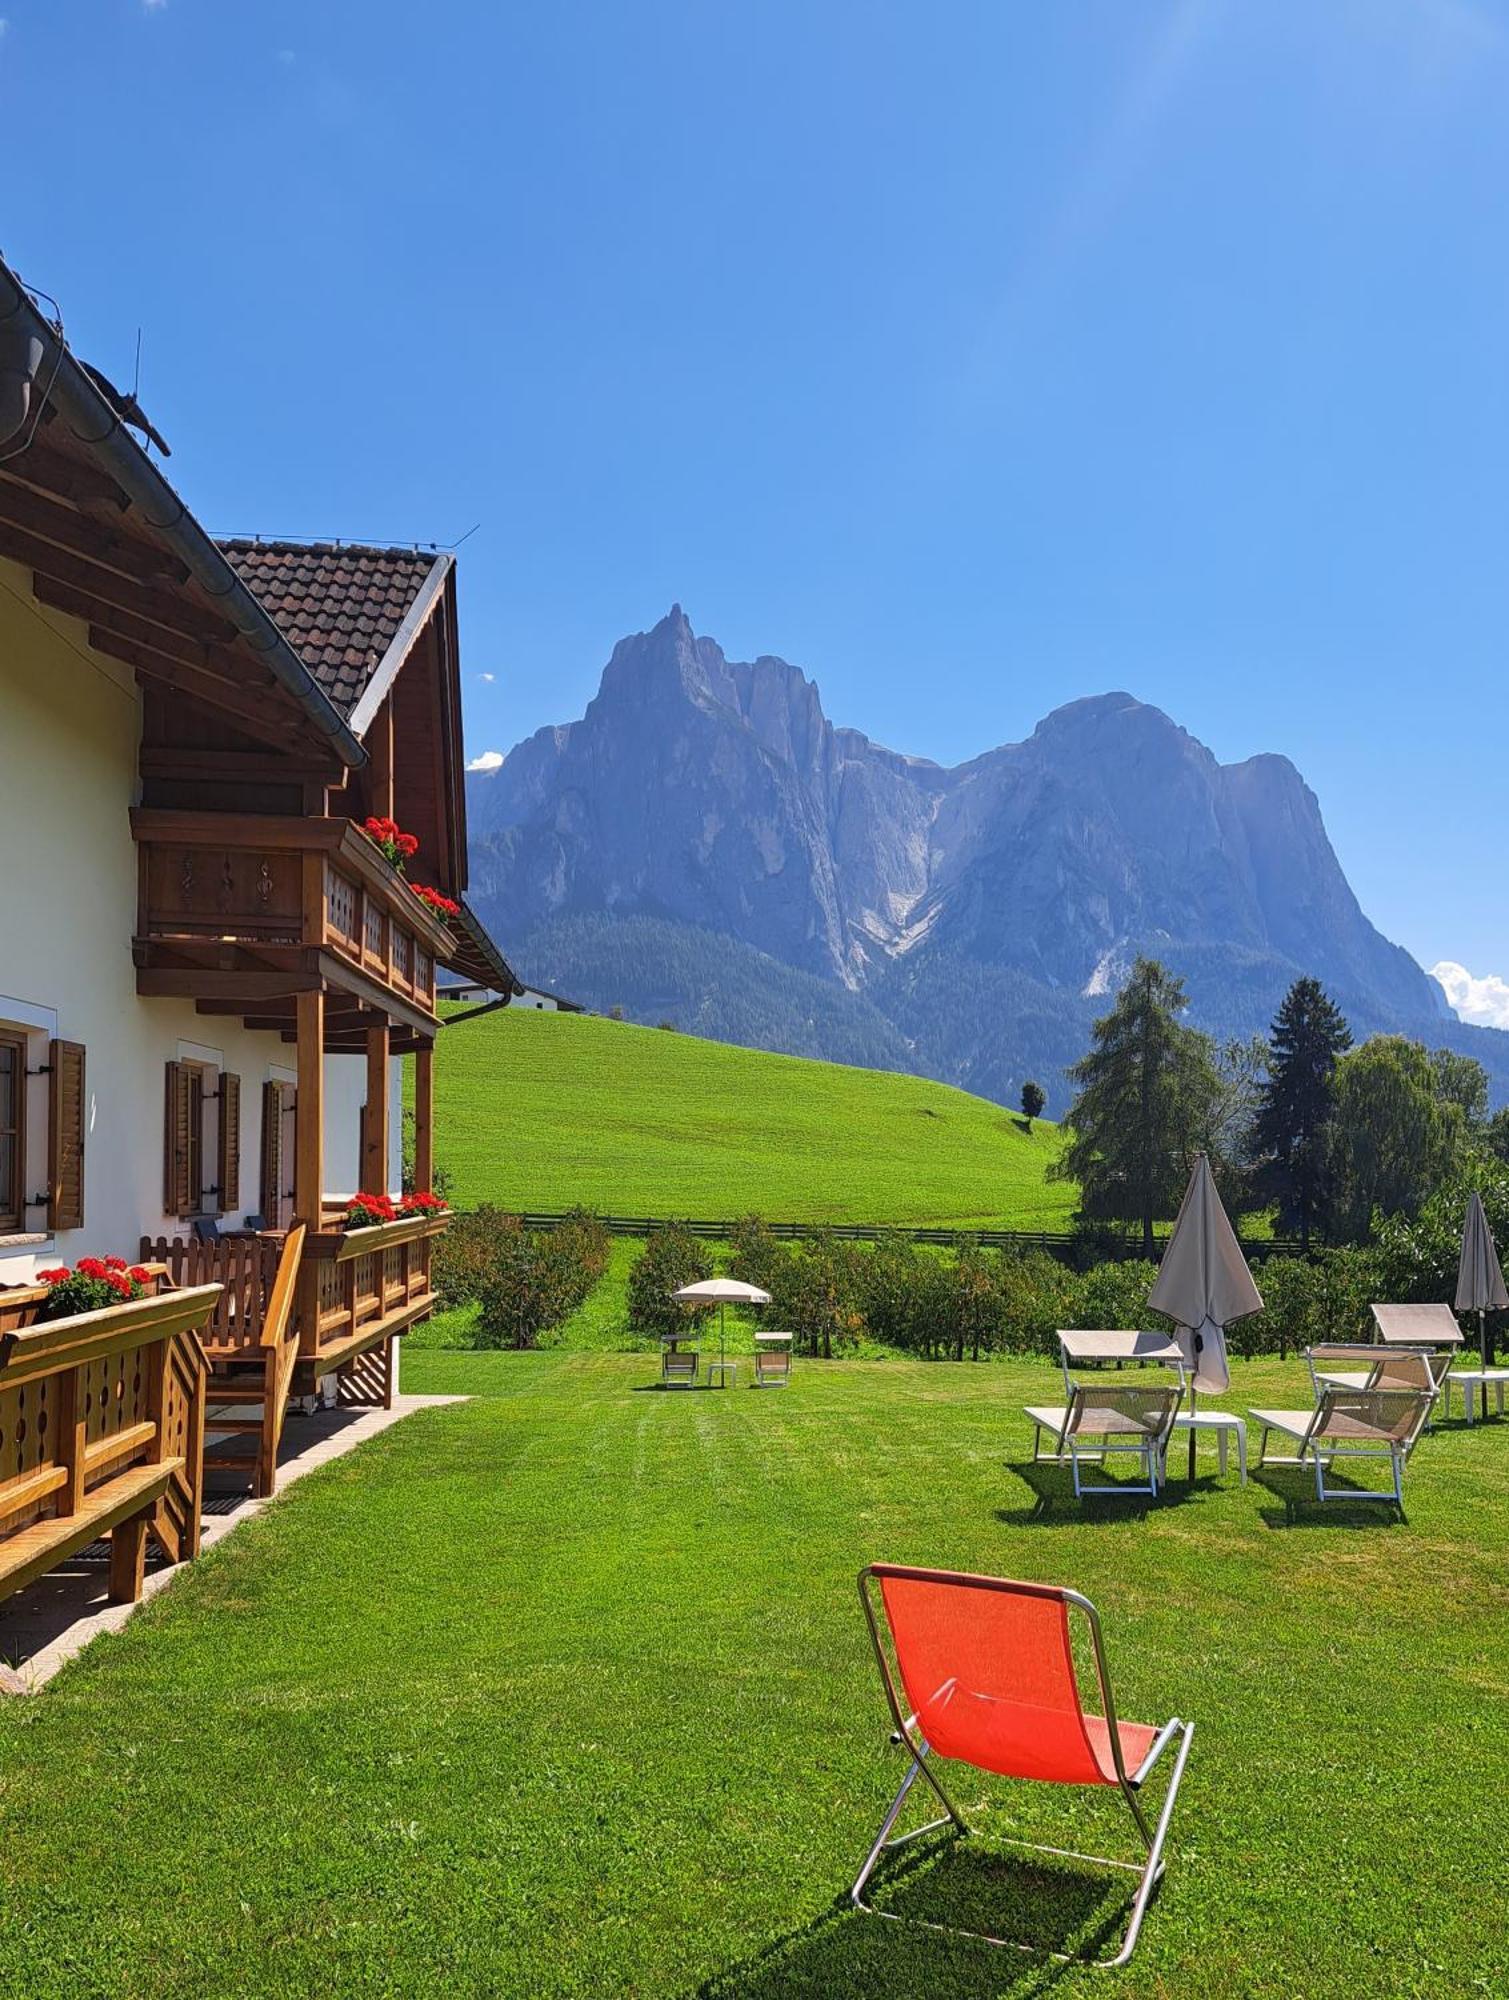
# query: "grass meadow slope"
{"type": "Point", "coordinates": [545, 1111]}
{"type": "Point", "coordinates": [565, 1691]}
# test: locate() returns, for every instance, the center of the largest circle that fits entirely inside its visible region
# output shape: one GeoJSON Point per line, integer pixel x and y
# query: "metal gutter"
{"type": "Point", "coordinates": [94, 422]}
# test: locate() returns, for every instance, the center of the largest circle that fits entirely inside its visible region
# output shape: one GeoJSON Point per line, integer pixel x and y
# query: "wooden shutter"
{"type": "Point", "coordinates": [66, 1106]}
{"type": "Point", "coordinates": [228, 1163]}
{"type": "Point", "coordinates": [272, 1153]}
{"type": "Point", "coordinates": [178, 1198]}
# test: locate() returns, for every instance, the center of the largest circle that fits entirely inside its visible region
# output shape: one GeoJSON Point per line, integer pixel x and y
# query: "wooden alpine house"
{"type": "Point", "coordinates": [213, 969]}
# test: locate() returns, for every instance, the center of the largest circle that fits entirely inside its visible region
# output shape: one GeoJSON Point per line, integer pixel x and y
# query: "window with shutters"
{"type": "Point", "coordinates": [12, 1133]}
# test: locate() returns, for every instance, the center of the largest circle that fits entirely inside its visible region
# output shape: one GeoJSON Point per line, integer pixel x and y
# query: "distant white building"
{"type": "Point", "coordinates": [525, 996]}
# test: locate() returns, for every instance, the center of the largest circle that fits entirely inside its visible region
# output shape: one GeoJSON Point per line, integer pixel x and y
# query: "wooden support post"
{"type": "Point", "coordinates": [375, 1124]}
{"type": "Point", "coordinates": [128, 1559]}
{"type": "Point", "coordinates": [424, 1119]}
{"type": "Point", "coordinates": [309, 1112]}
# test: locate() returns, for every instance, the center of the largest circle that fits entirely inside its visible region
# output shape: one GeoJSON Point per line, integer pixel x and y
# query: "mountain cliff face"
{"type": "Point", "coordinates": [713, 793]}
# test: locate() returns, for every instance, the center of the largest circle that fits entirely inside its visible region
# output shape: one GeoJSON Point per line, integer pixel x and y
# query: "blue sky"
{"type": "Point", "coordinates": [974, 356]}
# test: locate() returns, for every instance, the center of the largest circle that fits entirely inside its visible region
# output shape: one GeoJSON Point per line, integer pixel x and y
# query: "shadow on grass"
{"type": "Point", "coordinates": [1294, 1487]}
{"type": "Point", "coordinates": [965, 1885]}
{"type": "Point", "coordinates": [1052, 1487]}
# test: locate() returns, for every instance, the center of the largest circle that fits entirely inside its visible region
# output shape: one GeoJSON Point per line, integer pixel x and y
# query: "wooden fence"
{"type": "Point", "coordinates": [1057, 1243]}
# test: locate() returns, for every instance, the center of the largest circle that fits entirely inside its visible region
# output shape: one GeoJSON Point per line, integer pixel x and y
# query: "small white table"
{"type": "Point", "coordinates": [1224, 1427]}
{"type": "Point", "coordinates": [1472, 1382]}
{"type": "Point", "coordinates": [726, 1372]}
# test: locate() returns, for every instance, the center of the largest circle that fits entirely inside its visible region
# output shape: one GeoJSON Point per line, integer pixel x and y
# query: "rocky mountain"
{"type": "Point", "coordinates": [983, 911]}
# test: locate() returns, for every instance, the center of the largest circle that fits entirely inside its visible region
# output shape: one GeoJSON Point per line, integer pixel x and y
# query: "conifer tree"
{"type": "Point", "coordinates": [1296, 1105]}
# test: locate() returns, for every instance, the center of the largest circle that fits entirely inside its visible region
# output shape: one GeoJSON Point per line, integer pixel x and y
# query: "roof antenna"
{"type": "Point", "coordinates": [136, 384]}
{"type": "Point", "coordinates": [467, 536]}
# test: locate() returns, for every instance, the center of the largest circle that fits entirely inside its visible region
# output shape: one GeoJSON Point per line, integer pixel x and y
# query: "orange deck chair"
{"type": "Point", "coordinates": [986, 1675]}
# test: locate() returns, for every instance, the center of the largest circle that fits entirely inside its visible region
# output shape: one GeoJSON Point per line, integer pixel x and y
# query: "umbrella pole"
{"type": "Point", "coordinates": [1483, 1358]}
{"type": "Point", "coordinates": [1192, 1396]}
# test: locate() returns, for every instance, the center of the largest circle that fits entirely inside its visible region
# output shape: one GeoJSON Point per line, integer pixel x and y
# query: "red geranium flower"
{"type": "Point", "coordinates": [92, 1267]}
{"type": "Point", "coordinates": [55, 1276]}
{"type": "Point", "coordinates": [141, 1274]}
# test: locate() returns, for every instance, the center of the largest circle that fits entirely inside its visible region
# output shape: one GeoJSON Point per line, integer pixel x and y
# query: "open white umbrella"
{"type": "Point", "coordinates": [722, 1292]}
{"type": "Point", "coordinates": [1480, 1282]}
{"type": "Point", "coordinates": [1203, 1284]}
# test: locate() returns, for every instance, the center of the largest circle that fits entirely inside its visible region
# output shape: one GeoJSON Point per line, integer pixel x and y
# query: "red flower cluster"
{"type": "Point", "coordinates": [397, 845]}
{"type": "Point", "coordinates": [93, 1283]}
{"type": "Point", "coordinates": [364, 1211]}
{"type": "Point", "coordinates": [423, 1204]}
{"type": "Point", "coordinates": [442, 906]}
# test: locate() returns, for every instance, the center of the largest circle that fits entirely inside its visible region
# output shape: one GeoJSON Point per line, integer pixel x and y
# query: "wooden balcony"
{"type": "Point", "coordinates": [242, 913]}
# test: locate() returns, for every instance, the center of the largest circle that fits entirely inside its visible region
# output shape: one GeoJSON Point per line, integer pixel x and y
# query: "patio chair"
{"type": "Point", "coordinates": [772, 1360]}
{"type": "Point", "coordinates": [1350, 1424]}
{"type": "Point", "coordinates": [1102, 1418]}
{"type": "Point", "coordinates": [987, 1677]}
{"type": "Point", "coordinates": [678, 1363]}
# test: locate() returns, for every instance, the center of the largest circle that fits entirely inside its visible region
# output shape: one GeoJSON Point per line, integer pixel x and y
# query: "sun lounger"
{"type": "Point", "coordinates": [772, 1360]}
{"type": "Point", "coordinates": [1416, 1326]}
{"type": "Point", "coordinates": [1102, 1418]}
{"type": "Point", "coordinates": [1379, 1368]}
{"type": "Point", "coordinates": [1350, 1424]}
{"type": "Point", "coordinates": [984, 1672]}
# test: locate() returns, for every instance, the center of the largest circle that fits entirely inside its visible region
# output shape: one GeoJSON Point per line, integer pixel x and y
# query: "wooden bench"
{"type": "Point", "coordinates": [101, 1432]}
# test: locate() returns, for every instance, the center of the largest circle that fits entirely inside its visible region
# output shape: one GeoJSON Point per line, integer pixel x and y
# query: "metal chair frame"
{"type": "Point", "coordinates": [1364, 1406]}
{"type": "Point", "coordinates": [1382, 1368]}
{"type": "Point", "coordinates": [1150, 1446]}
{"type": "Point", "coordinates": [1129, 1783]}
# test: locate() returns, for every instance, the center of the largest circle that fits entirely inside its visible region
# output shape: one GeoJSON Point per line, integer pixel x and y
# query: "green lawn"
{"type": "Point", "coordinates": [544, 1111]}
{"type": "Point", "coordinates": [565, 1691]}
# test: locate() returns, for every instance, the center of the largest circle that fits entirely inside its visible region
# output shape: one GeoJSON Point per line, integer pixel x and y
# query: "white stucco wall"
{"type": "Point", "coordinates": [69, 726]}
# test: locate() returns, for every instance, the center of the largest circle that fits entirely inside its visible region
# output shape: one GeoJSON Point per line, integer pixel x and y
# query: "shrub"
{"type": "Point", "coordinates": [819, 1296]}
{"type": "Point", "coordinates": [459, 1256]}
{"type": "Point", "coordinates": [1115, 1296]}
{"type": "Point", "coordinates": [672, 1257]}
{"type": "Point", "coordinates": [756, 1257]}
{"type": "Point", "coordinates": [1038, 1296]}
{"type": "Point", "coordinates": [902, 1296]}
{"type": "Point", "coordinates": [532, 1281]}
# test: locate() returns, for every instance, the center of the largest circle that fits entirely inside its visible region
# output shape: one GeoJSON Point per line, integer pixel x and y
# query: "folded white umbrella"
{"type": "Point", "coordinates": [1203, 1284]}
{"type": "Point", "coordinates": [1480, 1282]}
{"type": "Point", "coordinates": [722, 1292]}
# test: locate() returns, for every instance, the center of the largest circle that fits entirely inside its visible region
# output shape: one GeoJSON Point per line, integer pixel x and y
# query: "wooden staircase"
{"type": "Point", "coordinates": [251, 1341]}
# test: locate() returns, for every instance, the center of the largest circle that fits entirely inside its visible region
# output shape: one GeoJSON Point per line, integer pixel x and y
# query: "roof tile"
{"type": "Point", "coordinates": [338, 605]}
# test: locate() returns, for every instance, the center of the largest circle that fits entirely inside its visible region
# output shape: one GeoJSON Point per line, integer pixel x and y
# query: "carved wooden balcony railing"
{"type": "Point", "coordinates": [222, 893]}
{"type": "Point", "coordinates": [359, 1289]}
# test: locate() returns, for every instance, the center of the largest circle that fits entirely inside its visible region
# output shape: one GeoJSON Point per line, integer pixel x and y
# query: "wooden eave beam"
{"type": "Point", "coordinates": [161, 607]}
{"type": "Point", "coordinates": [65, 477]}
{"type": "Point", "coordinates": [80, 534]}
{"type": "Point", "coordinates": [251, 717]}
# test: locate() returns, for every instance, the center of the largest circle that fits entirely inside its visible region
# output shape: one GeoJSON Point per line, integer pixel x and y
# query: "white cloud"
{"type": "Point", "coordinates": [287, 58]}
{"type": "Point", "coordinates": [487, 677]}
{"type": "Point", "coordinates": [153, 6]}
{"type": "Point", "coordinates": [490, 760]}
{"type": "Point", "coordinates": [1484, 1002]}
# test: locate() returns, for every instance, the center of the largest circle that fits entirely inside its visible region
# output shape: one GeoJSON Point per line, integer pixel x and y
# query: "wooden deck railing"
{"type": "Point", "coordinates": [101, 1432]}
{"type": "Point", "coordinates": [362, 1286]}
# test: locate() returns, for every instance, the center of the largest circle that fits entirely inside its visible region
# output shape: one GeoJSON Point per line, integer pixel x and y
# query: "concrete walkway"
{"type": "Point", "coordinates": [47, 1624]}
